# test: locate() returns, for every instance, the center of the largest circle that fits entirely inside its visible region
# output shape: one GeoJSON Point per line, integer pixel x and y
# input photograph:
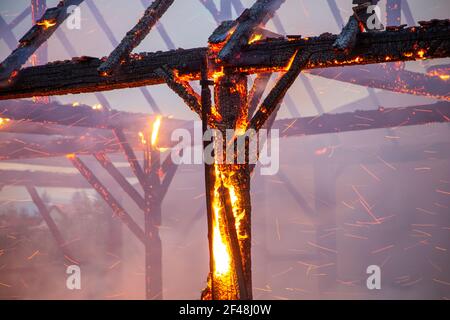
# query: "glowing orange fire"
{"type": "Point", "coordinates": [155, 130]}
{"type": "Point", "coordinates": [153, 137]}
{"type": "Point", "coordinates": [254, 38]}
{"type": "Point", "coordinates": [4, 121]}
{"type": "Point", "coordinates": [46, 23]}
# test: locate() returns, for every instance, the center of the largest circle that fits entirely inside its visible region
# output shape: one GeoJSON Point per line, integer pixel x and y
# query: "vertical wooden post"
{"type": "Point", "coordinates": [231, 181]}
{"type": "Point", "coordinates": [152, 221]}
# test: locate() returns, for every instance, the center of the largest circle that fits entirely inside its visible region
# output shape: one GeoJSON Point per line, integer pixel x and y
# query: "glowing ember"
{"type": "Point", "coordinates": [421, 53]}
{"type": "Point", "coordinates": [4, 121]}
{"type": "Point", "coordinates": [218, 74]}
{"type": "Point", "coordinates": [254, 38]}
{"type": "Point", "coordinates": [46, 23]}
{"type": "Point", "coordinates": [291, 61]}
{"type": "Point", "coordinates": [142, 137]}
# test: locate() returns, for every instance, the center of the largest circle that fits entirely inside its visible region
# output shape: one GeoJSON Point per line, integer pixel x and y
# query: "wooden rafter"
{"type": "Point", "coordinates": [430, 40]}
{"type": "Point", "coordinates": [134, 37]}
{"type": "Point", "coordinates": [258, 14]}
{"type": "Point", "coordinates": [35, 37]}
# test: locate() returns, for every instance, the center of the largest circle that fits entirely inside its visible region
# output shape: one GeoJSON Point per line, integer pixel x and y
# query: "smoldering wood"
{"type": "Point", "coordinates": [208, 175]}
{"type": "Point", "coordinates": [80, 74]}
{"type": "Point", "coordinates": [387, 78]}
{"type": "Point", "coordinates": [134, 37]}
{"type": "Point", "coordinates": [26, 146]}
{"type": "Point", "coordinates": [35, 37]}
{"type": "Point", "coordinates": [182, 88]}
{"type": "Point", "coordinates": [346, 40]}
{"type": "Point", "coordinates": [258, 14]}
{"type": "Point", "coordinates": [278, 92]}
{"type": "Point", "coordinates": [80, 116]}
{"type": "Point", "coordinates": [366, 120]}
{"type": "Point", "coordinates": [257, 91]}
{"type": "Point", "coordinates": [235, 250]}
{"type": "Point", "coordinates": [117, 209]}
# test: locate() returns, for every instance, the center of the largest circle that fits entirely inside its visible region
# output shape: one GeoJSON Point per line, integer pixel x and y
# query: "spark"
{"type": "Point", "coordinates": [383, 249]}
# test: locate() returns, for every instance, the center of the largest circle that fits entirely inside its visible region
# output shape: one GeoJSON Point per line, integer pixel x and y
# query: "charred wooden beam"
{"type": "Point", "coordinates": [346, 40]}
{"type": "Point", "coordinates": [20, 146]}
{"type": "Point", "coordinates": [84, 116]}
{"type": "Point", "coordinates": [365, 120]}
{"type": "Point", "coordinates": [430, 40]}
{"type": "Point", "coordinates": [134, 37]}
{"type": "Point", "coordinates": [54, 230]}
{"type": "Point", "coordinates": [169, 174]}
{"type": "Point", "coordinates": [208, 173]}
{"type": "Point", "coordinates": [107, 164]}
{"type": "Point", "coordinates": [257, 91]}
{"type": "Point", "coordinates": [386, 78]}
{"type": "Point", "coordinates": [182, 88]}
{"type": "Point", "coordinates": [117, 209]}
{"type": "Point", "coordinates": [258, 14]}
{"type": "Point", "coordinates": [35, 37]}
{"type": "Point", "coordinates": [131, 157]}
{"type": "Point", "coordinates": [235, 250]}
{"type": "Point", "coordinates": [277, 94]}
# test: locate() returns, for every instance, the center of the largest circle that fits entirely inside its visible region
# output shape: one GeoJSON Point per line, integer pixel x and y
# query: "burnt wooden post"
{"type": "Point", "coordinates": [152, 219]}
{"type": "Point", "coordinates": [54, 230]}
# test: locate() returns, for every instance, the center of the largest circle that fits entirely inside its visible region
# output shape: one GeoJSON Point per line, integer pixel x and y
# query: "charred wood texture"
{"type": "Point", "coordinates": [182, 88]}
{"type": "Point", "coordinates": [346, 40]}
{"type": "Point", "coordinates": [257, 91]}
{"type": "Point", "coordinates": [276, 95]}
{"type": "Point", "coordinates": [35, 37]}
{"type": "Point", "coordinates": [134, 37]}
{"type": "Point", "coordinates": [258, 14]}
{"type": "Point", "coordinates": [365, 120]}
{"type": "Point", "coordinates": [430, 40]}
{"type": "Point", "coordinates": [386, 77]}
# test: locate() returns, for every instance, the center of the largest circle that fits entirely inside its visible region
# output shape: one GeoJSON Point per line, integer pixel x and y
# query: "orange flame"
{"type": "Point", "coordinates": [155, 130]}
{"type": "Point", "coordinates": [4, 121]}
{"type": "Point", "coordinates": [254, 38]}
{"type": "Point", "coordinates": [46, 23]}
